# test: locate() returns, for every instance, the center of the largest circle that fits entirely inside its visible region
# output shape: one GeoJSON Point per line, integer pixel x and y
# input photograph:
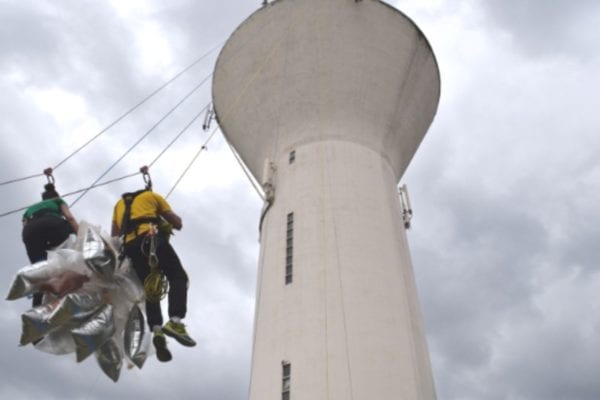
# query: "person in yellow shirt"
{"type": "Point", "coordinates": [133, 217]}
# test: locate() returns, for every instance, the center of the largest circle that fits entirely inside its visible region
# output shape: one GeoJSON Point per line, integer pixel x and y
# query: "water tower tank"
{"type": "Point", "coordinates": [326, 101]}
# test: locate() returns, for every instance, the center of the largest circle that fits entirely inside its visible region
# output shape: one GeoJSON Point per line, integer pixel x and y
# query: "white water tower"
{"type": "Point", "coordinates": [326, 101]}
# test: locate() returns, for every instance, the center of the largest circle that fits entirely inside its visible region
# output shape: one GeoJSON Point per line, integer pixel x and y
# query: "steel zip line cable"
{"type": "Point", "coordinates": [120, 118]}
{"type": "Point", "coordinates": [253, 181]}
{"type": "Point", "coordinates": [203, 147]}
{"type": "Point", "coordinates": [144, 136]}
{"type": "Point", "coordinates": [179, 134]}
{"type": "Point", "coordinates": [96, 184]}
{"type": "Point", "coordinates": [21, 179]}
{"type": "Point", "coordinates": [156, 91]}
{"type": "Point", "coordinates": [76, 192]}
{"type": "Point", "coordinates": [185, 128]}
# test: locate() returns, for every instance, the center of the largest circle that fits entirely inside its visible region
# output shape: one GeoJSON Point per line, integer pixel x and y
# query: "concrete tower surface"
{"type": "Point", "coordinates": [326, 101]}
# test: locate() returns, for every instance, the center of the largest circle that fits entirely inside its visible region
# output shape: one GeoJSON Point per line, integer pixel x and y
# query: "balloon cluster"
{"type": "Point", "coordinates": [90, 303]}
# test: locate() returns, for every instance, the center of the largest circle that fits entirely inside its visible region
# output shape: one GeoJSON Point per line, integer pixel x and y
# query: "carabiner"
{"type": "Point", "coordinates": [146, 176]}
{"type": "Point", "coordinates": [49, 176]}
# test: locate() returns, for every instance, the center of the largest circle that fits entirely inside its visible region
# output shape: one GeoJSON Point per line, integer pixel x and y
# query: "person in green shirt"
{"type": "Point", "coordinates": [46, 225]}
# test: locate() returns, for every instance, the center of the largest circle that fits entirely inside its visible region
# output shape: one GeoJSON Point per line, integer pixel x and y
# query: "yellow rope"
{"type": "Point", "coordinates": [156, 285]}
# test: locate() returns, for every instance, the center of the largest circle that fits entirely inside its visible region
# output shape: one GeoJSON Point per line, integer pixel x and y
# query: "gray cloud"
{"type": "Point", "coordinates": [504, 189]}
{"type": "Point", "coordinates": [547, 27]}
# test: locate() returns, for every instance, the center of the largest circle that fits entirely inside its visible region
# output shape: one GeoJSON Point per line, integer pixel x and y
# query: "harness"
{"type": "Point", "coordinates": [156, 284]}
{"type": "Point", "coordinates": [129, 225]}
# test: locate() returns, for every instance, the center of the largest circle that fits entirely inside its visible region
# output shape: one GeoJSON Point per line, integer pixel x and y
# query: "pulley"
{"type": "Point", "coordinates": [49, 176]}
{"type": "Point", "coordinates": [146, 176]}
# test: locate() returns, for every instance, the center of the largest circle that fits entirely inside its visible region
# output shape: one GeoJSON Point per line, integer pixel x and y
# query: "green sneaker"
{"type": "Point", "coordinates": [160, 343]}
{"type": "Point", "coordinates": [177, 331]}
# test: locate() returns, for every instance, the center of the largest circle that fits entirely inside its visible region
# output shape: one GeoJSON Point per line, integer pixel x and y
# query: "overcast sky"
{"type": "Point", "coordinates": [504, 188]}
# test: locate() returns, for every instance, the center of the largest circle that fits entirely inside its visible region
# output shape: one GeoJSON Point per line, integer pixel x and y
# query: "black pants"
{"type": "Point", "coordinates": [42, 234]}
{"type": "Point", "coordinates": [168, 261]}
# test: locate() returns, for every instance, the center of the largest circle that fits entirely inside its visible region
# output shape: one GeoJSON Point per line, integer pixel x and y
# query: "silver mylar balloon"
{"type": "Point", "coordinates": [28, 279]}
{"type": "Point", "coordinates": [134, 337]}
{"type": "Point", "coordinates": [36, 322]}
{"type": "Point", "coordinates": [98, 255]}
{"type": "Point", "coordinates": [76, 308]}
{"type": "Point", "coordinates": [110, 359]}
{"type": "Point", "coordinates": [92, 334]}
{"type": "Point", "coordinates": [58, 342]}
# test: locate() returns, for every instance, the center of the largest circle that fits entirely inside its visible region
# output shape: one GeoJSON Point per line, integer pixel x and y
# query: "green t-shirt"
{"type": "Point", "coordinates": [50, 206]}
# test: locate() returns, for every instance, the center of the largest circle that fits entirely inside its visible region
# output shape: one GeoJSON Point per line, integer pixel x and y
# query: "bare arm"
{"type": "Point", "coordinates": [70, 219]}
{"type": "Point", "coordinates": [173, 219]}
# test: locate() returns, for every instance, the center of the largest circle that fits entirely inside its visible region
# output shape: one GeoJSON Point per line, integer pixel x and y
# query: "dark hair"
{"type": "Point", "coordinates": [49, 192]}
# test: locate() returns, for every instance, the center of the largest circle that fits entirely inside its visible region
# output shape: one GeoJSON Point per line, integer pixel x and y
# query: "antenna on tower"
{"type": "Point", "coordinates": [208, 117]}
{"type": "Point", "coordinates": [405, 205]}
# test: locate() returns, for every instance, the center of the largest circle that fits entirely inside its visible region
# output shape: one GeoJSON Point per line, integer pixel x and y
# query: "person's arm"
{"type": "Point", "coordinates": [69, 217]}
{"type": "Point", "coordinates": [164, 210]}
{"type": "Point", "coordinates": [173, 219]}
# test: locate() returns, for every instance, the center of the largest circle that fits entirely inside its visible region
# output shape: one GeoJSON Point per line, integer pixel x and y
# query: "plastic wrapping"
{"type": "Point", "coordinates": [32, 278]}
{"type": "Point", "coordinates": [110, 359]}
{"type": "Point", "coordinates": [89, 303]}
{"type": "Point", "coordinates": [67, 282]}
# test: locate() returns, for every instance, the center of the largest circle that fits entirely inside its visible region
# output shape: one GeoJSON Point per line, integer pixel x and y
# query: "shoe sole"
{"type": "Point", "coordinates": [181, 340]}
{"type": "Point", "coordinates": [162, 353]}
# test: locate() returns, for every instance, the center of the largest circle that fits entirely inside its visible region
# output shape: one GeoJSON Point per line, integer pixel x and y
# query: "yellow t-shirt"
{"type": "Point", "coordinates": [145, 205]}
